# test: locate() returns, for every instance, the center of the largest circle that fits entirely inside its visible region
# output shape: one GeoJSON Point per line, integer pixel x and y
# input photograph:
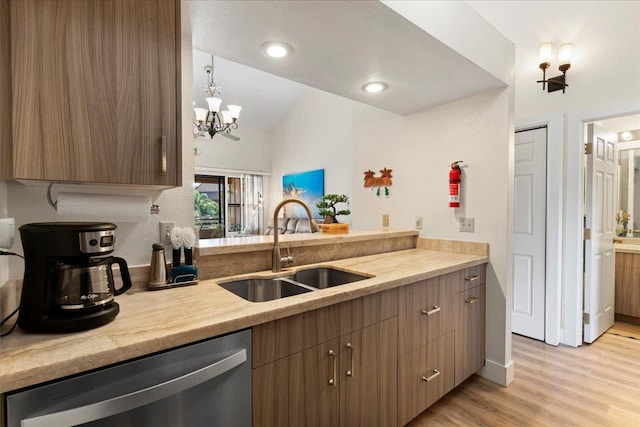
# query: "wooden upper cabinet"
{"type": "Point", "coordinates": [95, 91]}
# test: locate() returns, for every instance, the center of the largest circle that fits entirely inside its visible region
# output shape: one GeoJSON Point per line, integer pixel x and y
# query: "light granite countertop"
{"type": "Point", "coordinates": [629, 248]}
{"type": "Point", "coordinates": [149, 322]}
{"type": "Point", "coordinates": [229, 245]}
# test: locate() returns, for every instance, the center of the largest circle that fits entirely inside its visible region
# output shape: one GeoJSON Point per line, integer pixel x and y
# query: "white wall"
{"type": "Point", "coordinates": [420, 148]}
{"type": "Point", "coordinates": [316, 134]}
{"type": "Point", "coordinates": [251, 153]}
{"type": "Point", "coordinates": [28, 203]}
{"type": "Point", "coordinates": [605, 68]}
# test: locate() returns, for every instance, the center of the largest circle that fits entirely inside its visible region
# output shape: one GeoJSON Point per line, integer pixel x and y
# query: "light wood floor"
{"type": "Point", "coordinates": [593, 385]}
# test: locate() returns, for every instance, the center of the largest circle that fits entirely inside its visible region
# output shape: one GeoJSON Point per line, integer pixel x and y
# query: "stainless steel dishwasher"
{"type": "Point", "coordinates": [202, 384]}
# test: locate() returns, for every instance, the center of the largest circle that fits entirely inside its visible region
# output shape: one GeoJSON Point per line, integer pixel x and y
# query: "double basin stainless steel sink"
{"type": "Point", "coordinates": [300, 282]}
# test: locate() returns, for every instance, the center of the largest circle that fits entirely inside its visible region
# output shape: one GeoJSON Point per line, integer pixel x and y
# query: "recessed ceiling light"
{"type": "Point", "coordinates": [374, 87]}
{"type": "Point", "coordinates": [276, 49]}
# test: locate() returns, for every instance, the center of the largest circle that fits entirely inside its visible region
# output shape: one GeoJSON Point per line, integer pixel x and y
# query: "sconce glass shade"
{"type": "Point", "coordinates": [545, 53]}
{"type": "Point", "coordinates": [234, 111]}
{"type": "Point", "coordinates": [201, 114]}
{"type": "Point", "coordinates": [214, 104]}
{"type": "Point", "coordinates": [564, 56]}
{"type": "Point", "coordinates": [226, 117]}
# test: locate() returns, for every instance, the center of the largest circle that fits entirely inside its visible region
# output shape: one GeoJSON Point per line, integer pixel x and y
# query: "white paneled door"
{"type": "Point", "coordinates": [601, 189]}
{"type": "Point", "coordinates": [529, 233]}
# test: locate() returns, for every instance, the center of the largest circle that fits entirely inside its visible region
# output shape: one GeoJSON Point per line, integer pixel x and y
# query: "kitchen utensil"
{"type": "Point", "coordinates": [67, 286]}
{"type": "Point", "coordinates": [158, 268]}
{"type": "Point", "coordinates": [176, 242]}
{"type": "Point", "coordinates": [188, 239]}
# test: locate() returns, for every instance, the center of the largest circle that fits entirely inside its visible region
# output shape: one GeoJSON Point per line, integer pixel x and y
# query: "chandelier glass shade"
{"type": "Point", "coordinates": [211, 120]}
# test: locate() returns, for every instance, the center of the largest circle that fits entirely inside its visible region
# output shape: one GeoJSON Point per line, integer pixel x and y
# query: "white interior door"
{"type": "Point", "coordinates": [529, 233]}
{"type": "Point", "coordinates": [600, 207]}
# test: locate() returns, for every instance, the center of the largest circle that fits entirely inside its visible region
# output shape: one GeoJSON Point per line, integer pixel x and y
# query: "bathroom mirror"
{"type": "Point", "coordinates": [629, 194]}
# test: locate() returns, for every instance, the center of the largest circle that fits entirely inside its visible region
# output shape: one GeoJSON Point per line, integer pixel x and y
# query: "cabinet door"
{"type": "Point", "coordinates": [627, 292]}
{"type": "Point", "coordinates": [298, 390]}
{"type": "Point", "coordinates": [470, 332]}
{"type": "Point", "coordinates": [368, 371]}
{"type": "Point", "coordinates": [95, 91]}
{"type": "Point", "coordinates": [424, 313]}
{"type": "Point", "coordinates": [424, 376]}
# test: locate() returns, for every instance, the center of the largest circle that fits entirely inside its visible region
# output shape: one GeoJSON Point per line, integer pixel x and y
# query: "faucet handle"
{"type": "Point", "coordinates": [285, 260]}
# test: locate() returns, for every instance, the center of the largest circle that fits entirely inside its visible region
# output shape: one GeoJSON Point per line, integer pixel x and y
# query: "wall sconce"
{"type": "Point", "coordinates": [559, 82]}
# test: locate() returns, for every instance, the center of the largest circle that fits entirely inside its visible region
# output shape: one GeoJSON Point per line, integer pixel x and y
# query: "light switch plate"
{"type": "Point", "coordinates": [385, 220]}
{"type": "Point", "coordinates": [7, 232]}
{"type": "Point", "coordinates": [418, 223]}
{"type": "Point", "coordinates": [165, 231]}
{"type": "Point", "coordinates": [467, 225]}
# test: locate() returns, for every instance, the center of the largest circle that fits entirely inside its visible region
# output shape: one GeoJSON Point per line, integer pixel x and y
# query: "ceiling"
{"type": "Point", "coordinates": [338, 46]}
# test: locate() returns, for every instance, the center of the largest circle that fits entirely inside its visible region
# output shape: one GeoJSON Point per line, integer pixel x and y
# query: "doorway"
{"type": "Point", "coordinates": [529, 233]}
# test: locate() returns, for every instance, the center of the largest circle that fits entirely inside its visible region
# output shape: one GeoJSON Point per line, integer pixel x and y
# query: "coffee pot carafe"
{"type": "Point", "coordinates": [89, 285]}
{"type": "Point", "coordinates": [69, 282]}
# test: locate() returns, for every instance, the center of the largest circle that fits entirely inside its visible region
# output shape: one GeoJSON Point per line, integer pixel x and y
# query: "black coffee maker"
{"type": "Point", "coordinates": [68, 282]}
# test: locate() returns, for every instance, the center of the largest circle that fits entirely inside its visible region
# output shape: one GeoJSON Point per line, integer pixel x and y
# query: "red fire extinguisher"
{"type": "Point", "coordinates": [454, 185]}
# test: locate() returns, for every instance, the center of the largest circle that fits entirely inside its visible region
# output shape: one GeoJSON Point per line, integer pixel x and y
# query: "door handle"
{"type": "Point", "coordinates": [472, 278]}
{"type": "Point", "coordinates": [350, 371]}
{"type": "Point", "coordinates": [332, 380]}
{"type": "Point", "coordinates": [138, 398]}
{"type": "Point", "coordinates": [471, 300]}
{"type": "Point", "coordinates": [433, 376]}
{"type": "Point", "coordinates": [434, 310]}
{"type": "Point", "coordinates": [163, 158]}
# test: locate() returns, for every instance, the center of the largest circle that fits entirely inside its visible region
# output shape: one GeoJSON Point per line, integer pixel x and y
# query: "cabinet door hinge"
{"type": "Point", "coordinates": [587, 234]}
{"type": "Point", "coordinates": [586, 318]}
{"type": "Point", "coordinates": [588, 148]}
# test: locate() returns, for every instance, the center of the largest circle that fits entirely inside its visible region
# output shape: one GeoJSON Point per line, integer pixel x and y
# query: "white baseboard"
{"type": "Point", "coordinates": [497, 372]}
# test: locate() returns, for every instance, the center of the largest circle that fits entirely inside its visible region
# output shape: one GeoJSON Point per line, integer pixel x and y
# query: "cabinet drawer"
{"type": "Point", "coordinates": [424, 313]}
{"type": "Point", "coordinates": [424, 376]}
{"type": "Point", "coordinates": [469, 278]}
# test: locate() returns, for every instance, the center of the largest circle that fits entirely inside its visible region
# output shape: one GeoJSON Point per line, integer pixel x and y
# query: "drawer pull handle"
{"type": "Point", "coordinates": [472, 278]}
{"type": "Point", "coordinates": [434, 310]}
{"type": "Point", "coordinates": [471, 300]}
{"type": "Point", "coordinates": [332, 381]}
{"type": "Point", "coordinates": [350, 371]}
{"type": "Point", "coordinates": [432, 377]}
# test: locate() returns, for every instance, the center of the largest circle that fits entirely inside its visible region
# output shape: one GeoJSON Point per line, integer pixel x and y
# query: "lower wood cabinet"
{"type": "Point", "coordinates": [348, 381]}
{"type": "Point", "coordinates": [368, 376]}
{"type": "Point", "coordinates": [378, 360]}
{"type": "Point", "coordinates": [298, 390]}
{"type": "Point", "coordinates": [469, 332]}
{"type": "Point", "coordinates": [627, 300]}
{"type": "Point", "coordinates": [424, 376]}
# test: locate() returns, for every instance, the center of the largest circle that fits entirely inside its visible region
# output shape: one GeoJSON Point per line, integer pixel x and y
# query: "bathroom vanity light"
{"type": "Point", "coordinates": [559, 82]}
{"type": "Point", "coordinates": [212, 120]}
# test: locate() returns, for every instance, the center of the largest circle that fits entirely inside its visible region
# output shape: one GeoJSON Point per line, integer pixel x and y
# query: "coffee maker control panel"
{"type": "Point", "coordinates": [97, 242]}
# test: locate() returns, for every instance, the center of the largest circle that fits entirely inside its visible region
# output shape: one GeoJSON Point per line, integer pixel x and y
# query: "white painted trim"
{"type": "Point", "coordinates": [205, 170]}
{"type": "Point", "coordinates": [553, 261]}
{"type": "Point", "coordinates": [496, 372]}
{"type": "Point", "coordinates": [574, 212]}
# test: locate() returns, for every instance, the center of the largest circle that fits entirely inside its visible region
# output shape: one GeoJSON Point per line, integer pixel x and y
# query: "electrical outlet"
{"type": "Point", "coordinates": [418, 223]}
{"type": "Point", "coordinates": [467, 225]}
{"type": "Point", "coordinates": [385, 220]}
{"type": "Point", "coordinates": [165, 231]}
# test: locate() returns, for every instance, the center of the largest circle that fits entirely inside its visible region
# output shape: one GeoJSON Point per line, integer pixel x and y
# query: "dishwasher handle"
{"type": "Point", "coordinates": [138, 398]}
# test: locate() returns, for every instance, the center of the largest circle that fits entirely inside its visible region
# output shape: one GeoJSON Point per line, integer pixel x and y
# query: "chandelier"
{"type": "Point", "coordinates": [213, 121]}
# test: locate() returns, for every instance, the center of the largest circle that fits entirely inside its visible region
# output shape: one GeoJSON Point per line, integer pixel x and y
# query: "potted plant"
{"type": "Point", "coordinates": [327, 207]}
